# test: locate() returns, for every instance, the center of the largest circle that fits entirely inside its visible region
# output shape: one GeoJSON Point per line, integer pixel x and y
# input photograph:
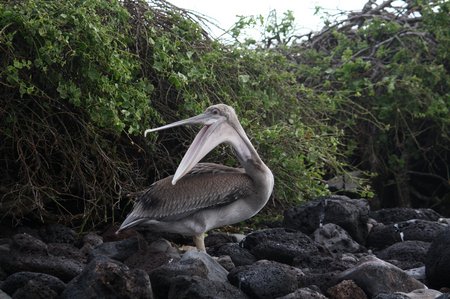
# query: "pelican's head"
{"type": "Point", "coordinates": [220, 124]}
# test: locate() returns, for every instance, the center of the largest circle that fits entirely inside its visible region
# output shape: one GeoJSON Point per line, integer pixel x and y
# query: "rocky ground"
{"type": "Point", "coordinates": [332, 247]}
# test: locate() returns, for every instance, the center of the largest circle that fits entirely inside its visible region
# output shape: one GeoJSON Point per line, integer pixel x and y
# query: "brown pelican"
{"type": "Point", "coordinates": [203, 196]}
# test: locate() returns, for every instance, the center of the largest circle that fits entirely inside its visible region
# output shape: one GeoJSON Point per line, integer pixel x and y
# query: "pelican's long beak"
{"type": "Point", "coordinates": [215, 131]}
{"type": "Point", "coordinates": [202, 119]}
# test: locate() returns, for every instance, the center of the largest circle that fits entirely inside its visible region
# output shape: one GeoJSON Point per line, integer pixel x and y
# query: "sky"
{"type": "Point", "coordinates": [224, 13]}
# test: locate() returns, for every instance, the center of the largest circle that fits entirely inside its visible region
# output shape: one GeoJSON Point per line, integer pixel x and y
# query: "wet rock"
{"type": "Point", "coordinates": [375, 276]}
{"type": "Point", "coordinates": [405, 255]}
{"type": "Point", "coordinates": [239, 255]}
{"type": "Point", "coordinates": [152, 256]}
{"type": "Point", "coordinates": [118, 250]}
{"type": "Point", "coordinates": [304, 293]}
{"type": "Point", "coordinates": [193, 263]}
{"type": "Point", "coordinates": [107, 278]}
{"type": "Point", "coordinates": [57, 233]}
{"type": "Point", "coordinates": [194, 287]}
{"type": "Point", "coordinates": [382, 236]}
{"type": "Point", "coordinates": [437, 262]}
{"type": "Point", "coordinates": [20, 279]}
{"type": "Point", "coordinates": [280, 244]}
{"type": "Point", "coordinates": [266, 279]}
{"type": "Point", "coordinates": [350, 214]}
{"type": "Point", "coordinates": [336, 240]}
{"type": "Point", "coordinates": [394, 215]}
{"type": "Point", "coordinates": [30, 254]}
{"type": "Point", "coordinates": [346, 289]}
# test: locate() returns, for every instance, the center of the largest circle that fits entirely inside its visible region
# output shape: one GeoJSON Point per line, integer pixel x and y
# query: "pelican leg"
{"type": "Point", "coordinates": [199, 241]}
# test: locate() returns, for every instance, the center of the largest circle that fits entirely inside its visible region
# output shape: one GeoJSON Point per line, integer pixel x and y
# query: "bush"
{"type": "Point", "coordinates": [387, 71]}
{"type": "Point", "coordinates": [81, 80]}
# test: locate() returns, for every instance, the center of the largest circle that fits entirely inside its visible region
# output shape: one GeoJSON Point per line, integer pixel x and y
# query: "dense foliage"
{"type": "Point", "coordinates": [81, 80]}
{"type": "Point", "coordinates": [386, 69]}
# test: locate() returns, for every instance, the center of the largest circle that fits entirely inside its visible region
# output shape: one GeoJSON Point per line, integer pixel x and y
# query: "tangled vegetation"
{"type": "Point", "coordinates": [81, 80]}
{"type": "Point", "coordinates": [387, 69]}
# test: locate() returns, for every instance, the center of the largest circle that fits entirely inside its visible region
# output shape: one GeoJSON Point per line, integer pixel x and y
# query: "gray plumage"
{"type": "Point", "coordinates": [207, 185]}
{"type": "Point", "coordinates": [203, 196]}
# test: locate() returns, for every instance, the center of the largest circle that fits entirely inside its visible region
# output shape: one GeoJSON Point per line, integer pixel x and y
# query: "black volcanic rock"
{"type": "Point", "coordinates": [107, 278]}
{"type": "Point", "coordinates": [350, 214]}
{"type": "Point", "coordinates": [266, 279]}
{"type": "Point", "coordinates": [382, 236]}
{"type": "Point", "coordinates": [394, 215]}
{"type": "Point", "coordinates": [280, 244]}
{"type": "Point", "coordinates": [437, 262]}
{"type": "Point", "coordinates": [405, 255]}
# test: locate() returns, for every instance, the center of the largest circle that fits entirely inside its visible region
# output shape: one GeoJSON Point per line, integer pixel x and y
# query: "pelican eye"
{"type": "Point", "coordinates": [215, 111]}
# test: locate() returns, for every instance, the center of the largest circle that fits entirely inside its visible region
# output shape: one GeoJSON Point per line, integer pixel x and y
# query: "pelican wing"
{"type": "Point", "coordinates": [207, 185]}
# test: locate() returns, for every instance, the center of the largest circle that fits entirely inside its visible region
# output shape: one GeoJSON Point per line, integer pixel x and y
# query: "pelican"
{"type": "Point", "coordinates": [203, 196]}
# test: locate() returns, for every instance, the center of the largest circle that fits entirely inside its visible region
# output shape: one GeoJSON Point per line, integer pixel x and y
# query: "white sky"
{"type": "Point", "coordinates": [224, 12]}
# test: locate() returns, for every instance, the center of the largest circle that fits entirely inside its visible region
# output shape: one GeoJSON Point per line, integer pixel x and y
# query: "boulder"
{"type": "Point", "coordinates": [350, 214]}
{"type": "Point", "coordinates": [89, 242]}
{"type": "Point", "coordinates": [3, 295]}
{"type": "Point", "coordinates": [394, 215]}
{"type": "Point", "coordinates": [194, 287]}
{"type": "Point", "coordinates": [118, 250]}
{"type": "Point", "coordinates": [375, 276]}
{"type": "Point", "coordinates": [336, 240]}
{"type": "Point", "coordinates": [226, 262]}
{"type": "Point", "coordinates": [193, 263]}
{"type": "Point", "coordinates": [304, 293]}
{"type": "Point", "coordinates": [57, 233]}
{"type": "Point", "coordinates": [218, 239]}
{"type": "Point", "coordinates": [323, 281]}
{"type": "Point", "coordinates": [107, 278]}
{"type": "Point", "coordinates": [28, 253]}
{"type": "Point", "coordinates": [280, 244]}
{"type": "Point", "coordinates": [417, 273]}
{"type": "Point", "coordinates": [346, 289]}
{"type": "Point", "coordinates": [25, 243]}
{"type": "Point", "coordinates": [239, 255]}
{"type": "Point", "coordinates": [437, 262]}
{"type": "Point", "coordinates": [321, 264]}
{"type": "Point", "coordinates": [152, 256]}
{"type": "Point", "coordinates": [266, 279]}
{"type": "Point", "coordinates": [34, 290]}
{"type": "Point", "coordinates": [215, 271]}
{"type": "Point", "coordinates": [416, 294]}
{"type": "Point", "coordinates": [382, 236]}
{"type": "Point", "coordinates": [20, 279]}
{"type": "Point", "coordinates": [405, 255]}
